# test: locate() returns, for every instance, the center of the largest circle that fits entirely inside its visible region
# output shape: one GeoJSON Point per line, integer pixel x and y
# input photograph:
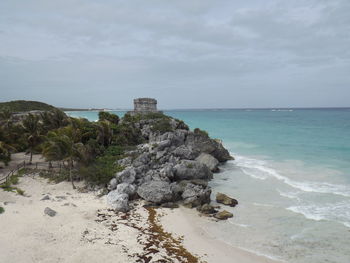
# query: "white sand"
{"type": "Point", "coordinates": [84, 230]}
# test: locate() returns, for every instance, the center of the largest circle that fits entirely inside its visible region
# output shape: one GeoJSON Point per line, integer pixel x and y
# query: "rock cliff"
{"type": "Point", "coordinates": [173, 165]}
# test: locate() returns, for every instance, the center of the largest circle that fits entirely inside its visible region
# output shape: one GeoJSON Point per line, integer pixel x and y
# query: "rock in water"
{"type": "Point", "coordinates": [207, 209]}
{"type": "Point", "coordinates": [226, 200]}
{"type": "Point", "coordinates": [211, 162]}
{"type": "Point", "coordinates": [50, 212]}
{"type": "Point", "coordinates": [155, 191]}
{"type": "Point", "coordinates": [223, 215]}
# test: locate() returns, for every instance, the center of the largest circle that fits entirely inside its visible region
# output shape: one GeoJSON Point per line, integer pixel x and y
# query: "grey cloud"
{"type": "Point", "coordinates": [228, 53]}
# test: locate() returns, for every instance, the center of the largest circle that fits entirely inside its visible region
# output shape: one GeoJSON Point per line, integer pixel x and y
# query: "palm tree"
{"type": "Point", "coordinates": [63, 146]}
{"type": "Point", "coordinates": [104, 133]}
{"type": "Point", "coordinates": [32, 128]}
{"type": "Point", "coordinates": [5, 117]}
{"type": "Point", "coordinates": [5, 152]}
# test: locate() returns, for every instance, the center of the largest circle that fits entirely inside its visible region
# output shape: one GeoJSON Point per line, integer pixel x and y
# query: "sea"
{"type": "Point", "coordinates": [291, 176]}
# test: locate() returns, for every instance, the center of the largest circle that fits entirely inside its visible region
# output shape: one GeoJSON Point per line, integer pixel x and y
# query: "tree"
{"type": "Point", "coordinates": [32, 130]}
{"type": "Point", "coordinates": [106, 116]}
{"type": "Point", "coordinates": [64, 145]}
{"type": "Point", "coordinates": [5, 152]}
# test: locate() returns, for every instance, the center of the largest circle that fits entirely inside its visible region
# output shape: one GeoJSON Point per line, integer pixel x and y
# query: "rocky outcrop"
{"type": "Point", "coordinates": [155, 191]}
{"type": "Point", "coordinates": [226, 200]}
{"type": "Point", "coordinates": [223, 215]}
{"type": "Point", "coordinates": [173, 165]}
{"type": "Point", "coordinates": [208, 160]}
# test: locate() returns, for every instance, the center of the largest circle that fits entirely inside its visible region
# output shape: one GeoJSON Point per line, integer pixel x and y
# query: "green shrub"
{"type": "Point", "coordinates": [2, 210]}
{"type": "Point", "coordinates": [162, 126]}
{"type": "Point", "coordinates": [201, 132]}
{"type": "Point", "coordinates": [101, 171]}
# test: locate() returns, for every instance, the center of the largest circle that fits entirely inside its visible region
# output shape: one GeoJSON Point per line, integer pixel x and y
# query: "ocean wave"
{"type": "Point", "coordinates": [259, 169]}
{"type": "Point", "coordinates": [338, 212]}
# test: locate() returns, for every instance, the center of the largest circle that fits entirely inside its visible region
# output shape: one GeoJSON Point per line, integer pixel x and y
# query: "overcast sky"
{"type": "Point", "coordinates": [185, 53]}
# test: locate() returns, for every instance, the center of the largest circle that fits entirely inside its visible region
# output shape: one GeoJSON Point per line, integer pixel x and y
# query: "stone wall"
{"type": "Point", "coordinates": [145, 105]}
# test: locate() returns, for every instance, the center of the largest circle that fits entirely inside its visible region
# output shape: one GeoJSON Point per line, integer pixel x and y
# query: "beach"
{"type": "Point", "coordinates": [86, 230]}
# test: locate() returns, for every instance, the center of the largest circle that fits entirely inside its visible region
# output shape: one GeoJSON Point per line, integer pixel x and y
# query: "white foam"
{"type": "Point", "coordinates": [338, 212]}
{"type": "Point", "coordinates": [259, 169]}
{"type": "Point", "coordinates": [290, 195]}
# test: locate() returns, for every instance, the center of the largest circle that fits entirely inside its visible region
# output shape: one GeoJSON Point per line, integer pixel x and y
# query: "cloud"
{"type": "Point", "coordinates": [207, 49]}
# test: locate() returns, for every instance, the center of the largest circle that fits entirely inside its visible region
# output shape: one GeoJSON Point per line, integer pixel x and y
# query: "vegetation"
{"type": "Point", "coordinates": [2, 210]}
{"type": "Point", "coordinates": [24, 105]}
{"type": "Point", "coordinates": [85, 150]}
{"type": "Point", "coordinates": [201, 132]}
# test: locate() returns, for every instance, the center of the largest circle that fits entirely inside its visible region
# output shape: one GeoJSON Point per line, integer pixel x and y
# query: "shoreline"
{"type": "Point", "coordinates": [84, 227]}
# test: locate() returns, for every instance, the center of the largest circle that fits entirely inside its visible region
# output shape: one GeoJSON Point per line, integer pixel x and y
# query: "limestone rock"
{"type": "Point", "coordinates": [208, 160]}
{"type": "Point", "coordinates": [46, 197]}
{"type": "Point", "coordinates": [207, 209]}
{"type": "Point", "coordinates": [202, 143]}
{"type": "Point", "coordinates": [226, 200]}
{"type": "Point", "coordinates": [50, 212]}
{"type": "Point", "coordinates": [223, 215]}
{"type": "Point", "coordinates": [126, 176]}
{"type": "Point", "coordinates": [118, 201]}
{"type": "Point", "coordinates": [155, 192]}
{"type": "Point", "coordinates": [195, 195]}
{"type": "Point", "coordinates": [192, 170]}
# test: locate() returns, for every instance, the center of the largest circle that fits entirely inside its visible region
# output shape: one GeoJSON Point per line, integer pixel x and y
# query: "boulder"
{"type": "Point", "coordinates": [223, 215]}
{"type": "Point", "coordinates": [226, 200]}
{"type": "Point", "coordinates": [202, 143]}
{"type": "Point", "coordinates": [211, 162]}
{"type": "Point", "coordinates": [184, 152]}
{"type": "Point", "coordinates": [126, 176]}
{"type": "Point", "coordinates": [125, 188]}
{"type": "Point", "coordinates": [155, 191]}
{"type": "Point", "coordinates": [112, 184]}
{"type": "Point", "coordinates": [118, 201]}
{"type": "Point", "coordinates": [195, 195]}
{"type": "Point", "coordinates": [48, 211]}
{"type": "Point", "coordinates": [187, 170]}
{"type": "Point", "coordinates": [207, 209]}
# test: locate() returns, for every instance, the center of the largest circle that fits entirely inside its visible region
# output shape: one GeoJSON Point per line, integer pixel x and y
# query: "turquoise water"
{"type": "Point", "coordinates": [291, 176]}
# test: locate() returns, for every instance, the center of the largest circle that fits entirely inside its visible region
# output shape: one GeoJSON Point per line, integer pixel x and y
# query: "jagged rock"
{"type": "Point", "coordinates": [125, 188]}
{"type": "Point", "coordinates": [184, 152]}
{"type": "Point", "coordinates": [195, 195]}
{"type": "Point", "coordinates": [207, 209]}
{"type": "Point", "coordinates": [126, 176]}
{"type": "Point", "coordinates": [142, 159]}
{"type": "Point", "coordinates": [208, 160]}
{"type": "Point", "coordinates": [167, 171]}
{"type": "Point", "coordinates": [125, 162]}
{"type": "Point", "coordinates": [155, 192]}
{"type": "Point", "coordinates": [192, 170]}
{"type": "Point", "coordinates": [223, 215]}
{"type": "Point", "coordinates": [112, 184]}
{"type": "Point", "coordinates": [163, 144]}
{"type": "Point", "coordinates": [50, 212]}
{"type": "Point", "coordinates": [226, 200]}
{"type": "Point", "coordinates": [46, 197]}
{"type": "Point", "coordinates": [202, 143]}
{"type": "Point", "coordinates": [118, 201]}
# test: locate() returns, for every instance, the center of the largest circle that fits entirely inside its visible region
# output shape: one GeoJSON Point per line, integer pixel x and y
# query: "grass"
{"type": "Point", "coordinates": [8, 186]}
{"type": "Point", "coordinates": [2, 210]}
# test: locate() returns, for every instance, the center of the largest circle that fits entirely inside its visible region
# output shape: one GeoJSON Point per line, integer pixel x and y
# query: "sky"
{"type": "Point", "coordinates": [184, 53]}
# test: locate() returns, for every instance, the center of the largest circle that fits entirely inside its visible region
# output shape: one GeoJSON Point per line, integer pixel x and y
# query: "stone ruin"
{"type": "Point", "coordinates": [144, 105]}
